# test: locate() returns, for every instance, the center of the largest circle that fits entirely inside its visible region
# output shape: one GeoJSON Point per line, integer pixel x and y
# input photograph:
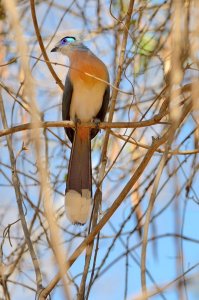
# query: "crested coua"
{"type": "Point", "coordinates": [85, 99]}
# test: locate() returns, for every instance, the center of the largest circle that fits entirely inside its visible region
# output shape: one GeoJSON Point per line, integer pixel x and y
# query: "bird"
{"type": "Point", "coordinates": [85, 99]}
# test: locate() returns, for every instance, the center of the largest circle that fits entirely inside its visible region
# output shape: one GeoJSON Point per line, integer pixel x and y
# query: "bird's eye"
{"type": "Point", "coordinates": [67, 39]}
{"type": "Point", "coordinates": [64, 41]}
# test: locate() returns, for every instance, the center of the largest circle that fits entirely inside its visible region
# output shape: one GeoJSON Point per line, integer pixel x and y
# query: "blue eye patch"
{"type": "Point", "coordinates": [68, 39]}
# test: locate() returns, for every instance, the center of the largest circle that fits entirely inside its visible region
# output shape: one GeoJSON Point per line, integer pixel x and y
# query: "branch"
{"type": "Point", "coordinates": [144, 146]}
{"type": "Point", "coordinates": [43, 50]}
{"type": "Point", "coordinates": [185, 112]}
{"type": "Point", "coordinates": [85, 73]}
{"type": "Point", "coordinates": [16, 185]}
{"type": "Point", "coordinates": [118, 79]}
{"type": "Point", "coordinates": [11, 61]}
{"type": "Point", "coordinates": [71, 124]}
{"type": "Point", "coordinates": [153, 292]}
{"type": "Point", "coordinates": [156, 144]}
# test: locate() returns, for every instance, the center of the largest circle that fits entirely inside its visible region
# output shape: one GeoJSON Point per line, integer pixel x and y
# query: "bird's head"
{"type": "Point", "coordinates": [66, 45]}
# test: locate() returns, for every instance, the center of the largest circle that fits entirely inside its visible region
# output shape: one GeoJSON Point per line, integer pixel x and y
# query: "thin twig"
{"type": "Point", "coordinates": [43, 50]}
{"type": "Point", "coordinates": [16, 184]}
{"type": "Point", "coordinates": [184, 113]}
{"type": "Point", "coordinates": [107, 216]}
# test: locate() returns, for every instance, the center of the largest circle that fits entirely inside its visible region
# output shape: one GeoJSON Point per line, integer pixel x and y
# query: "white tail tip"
{"type": "Point", "coordinates": [78, 206]}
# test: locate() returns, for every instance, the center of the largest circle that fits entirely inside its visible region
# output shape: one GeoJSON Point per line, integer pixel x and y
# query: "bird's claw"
{"type": "Point", "coordinates": [77, 121]}
{"type": "Point", "coordinates": [96, 121]}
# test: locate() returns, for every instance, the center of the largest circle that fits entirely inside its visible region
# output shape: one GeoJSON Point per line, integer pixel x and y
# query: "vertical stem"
{"type": "Point", "coordinates": [16, 184]}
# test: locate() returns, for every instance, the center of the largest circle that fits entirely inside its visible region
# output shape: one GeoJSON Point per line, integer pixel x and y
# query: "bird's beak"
{"type": "Point", "coordinates": [54, 49]}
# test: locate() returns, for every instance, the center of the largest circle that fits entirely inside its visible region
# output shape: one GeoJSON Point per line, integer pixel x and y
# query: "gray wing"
{"type": "Point", "coordinates": [66, 101]}
{"type": "Point", "coordinates": [102, 113]}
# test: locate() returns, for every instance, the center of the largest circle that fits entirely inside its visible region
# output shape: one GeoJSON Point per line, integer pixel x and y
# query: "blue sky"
{"type": "Point", "coordinates": [162, 260]}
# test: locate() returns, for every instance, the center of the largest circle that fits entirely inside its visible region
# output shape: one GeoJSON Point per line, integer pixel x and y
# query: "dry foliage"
{"type": "Point", "coordinates": [142, 238]}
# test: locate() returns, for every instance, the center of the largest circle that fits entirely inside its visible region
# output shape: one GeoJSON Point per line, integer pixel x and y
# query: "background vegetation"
{"type": "Point", "coordinates": [142, 240]}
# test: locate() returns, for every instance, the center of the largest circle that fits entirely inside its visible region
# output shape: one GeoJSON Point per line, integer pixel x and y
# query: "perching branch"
{"type": "Point", "coordinates": [150, 51]}
{"type": "Point", "coordinates": [71, 124]}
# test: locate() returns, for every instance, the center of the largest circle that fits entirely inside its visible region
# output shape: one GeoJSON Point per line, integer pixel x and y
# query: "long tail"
{"type": "Point", "coordinates": [79, 181]}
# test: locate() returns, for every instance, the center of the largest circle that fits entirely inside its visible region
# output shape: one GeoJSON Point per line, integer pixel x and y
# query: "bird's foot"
{"type": "Point", "coordinates": [96, 121]}
{"type": "Point", "coordinates": [77, 121]}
